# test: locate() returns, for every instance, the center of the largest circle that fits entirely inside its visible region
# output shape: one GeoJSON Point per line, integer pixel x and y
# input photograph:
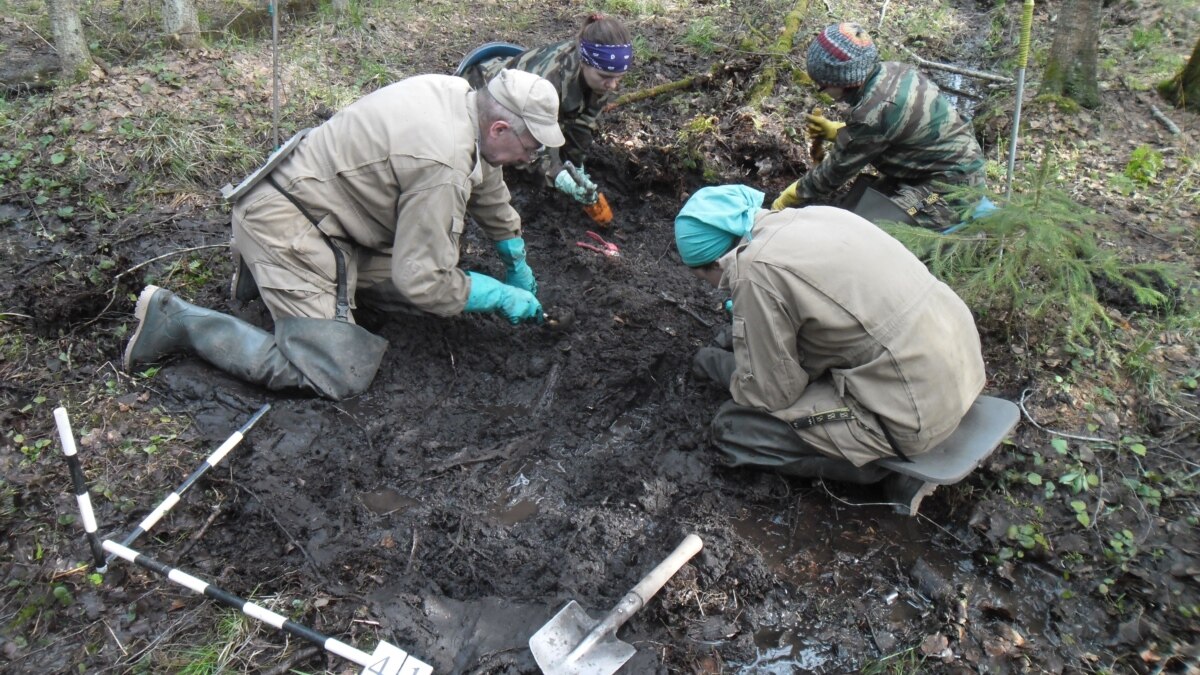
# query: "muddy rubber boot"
{"type": "Point", "coordinates": [242, 287]}
{"type": "Point", "coordinates": [334, 359]}
{"type": "Point", "coordinates": [905, 492]}
{"type": "Point", "coordinates": [167, 325]}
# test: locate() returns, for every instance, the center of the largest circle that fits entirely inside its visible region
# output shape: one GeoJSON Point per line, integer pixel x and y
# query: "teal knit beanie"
{"type": "Point", "coordinates": [713, 221]}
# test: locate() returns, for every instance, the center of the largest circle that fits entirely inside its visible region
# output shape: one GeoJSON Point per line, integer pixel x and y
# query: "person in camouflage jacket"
{"type": "Point", "coordinates": [586, 71]}
{"type": "Point", "coordinates": [899, 123]}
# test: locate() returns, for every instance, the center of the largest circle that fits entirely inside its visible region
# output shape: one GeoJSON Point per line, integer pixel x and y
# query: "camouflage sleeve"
{"type": "Point", "coordinates": [580, 129]}
{"type": "Point", "coordinates": [854, 149]}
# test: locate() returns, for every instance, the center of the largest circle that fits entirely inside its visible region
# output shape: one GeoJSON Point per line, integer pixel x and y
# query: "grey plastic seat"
{"type": "Point", "coordinates": [988, 422]}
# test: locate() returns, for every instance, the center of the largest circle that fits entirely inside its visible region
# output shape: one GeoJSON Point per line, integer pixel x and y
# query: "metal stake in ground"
{"type": "Point", "coordinates": [172, 499]}
{"type": "Point", "coordinates": [573, 644]}
{"type": "Point", "coordinates": [1022, 60]}
{"type": "Point", "coordinates": [81, 492]}
{"type": "Point", "coordinates": [386, 660]}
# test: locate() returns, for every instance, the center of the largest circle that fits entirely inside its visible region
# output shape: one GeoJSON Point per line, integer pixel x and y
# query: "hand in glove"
{"type": "Point", "coordinates": [787, 199]}
{"type": "Point", "coordinates": [489, 295]}
{"type": "Point", "coordinates": [517, 271]}
{"type": "Point", "coordinates": [715, 364]}
{"type": "Point", "coordinates": [585, 194]}
{"type": "Point", "coordinates": [820, 127]}
{"type": "Point", "coordinates": [724, 338]}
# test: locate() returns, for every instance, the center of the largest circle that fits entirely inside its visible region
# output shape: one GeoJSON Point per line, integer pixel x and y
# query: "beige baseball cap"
{"type": "Point", "coordinates": [533, 99]}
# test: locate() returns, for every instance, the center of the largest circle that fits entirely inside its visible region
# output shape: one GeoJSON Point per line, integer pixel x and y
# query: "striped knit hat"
{"type": "Point", "coordinates": [842, 55]}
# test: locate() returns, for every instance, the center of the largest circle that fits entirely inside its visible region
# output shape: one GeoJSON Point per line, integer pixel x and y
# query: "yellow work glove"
{"type": "Point", "coordinates": [819, 127]}
{"type": "Point", "coordinates": [787, 199]}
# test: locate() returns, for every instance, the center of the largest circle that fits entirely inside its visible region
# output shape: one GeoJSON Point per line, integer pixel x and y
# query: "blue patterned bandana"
{"type": "Point", "coordinates": [607, 58]}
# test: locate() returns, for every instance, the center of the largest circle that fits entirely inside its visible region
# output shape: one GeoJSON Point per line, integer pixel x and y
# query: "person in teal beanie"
{"type": "Point", "coordinates": [842, 348]}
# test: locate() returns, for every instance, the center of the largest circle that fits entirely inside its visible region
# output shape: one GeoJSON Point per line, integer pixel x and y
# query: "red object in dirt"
{"type": "Point", "coordinates": [604, 247]}
{"type": "Point", "coordinates": [599, 211]}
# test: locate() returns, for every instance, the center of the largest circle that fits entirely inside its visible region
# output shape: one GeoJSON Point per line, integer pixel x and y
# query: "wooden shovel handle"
{"type": "Point", "coordinates": [636, 598]}
{"type": "Point", "coordinates": [658, 577]}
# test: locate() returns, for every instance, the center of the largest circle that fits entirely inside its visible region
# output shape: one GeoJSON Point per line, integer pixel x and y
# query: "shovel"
{"type": "Point", "coordinates": [572, 643]}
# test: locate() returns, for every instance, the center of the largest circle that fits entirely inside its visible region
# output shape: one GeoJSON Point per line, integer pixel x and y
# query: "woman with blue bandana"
{"type": "Point", "coordinates": [843, 348]}
{"type": "Point", "coordinates": [586, 71]}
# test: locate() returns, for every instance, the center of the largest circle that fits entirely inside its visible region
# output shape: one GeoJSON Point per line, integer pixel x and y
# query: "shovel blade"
{"type": "Point", "coordinates": [555, 641]}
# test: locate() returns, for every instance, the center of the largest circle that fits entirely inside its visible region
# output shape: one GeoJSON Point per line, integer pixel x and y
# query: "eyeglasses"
{"type": "Point", "coordinates": [533, 153]}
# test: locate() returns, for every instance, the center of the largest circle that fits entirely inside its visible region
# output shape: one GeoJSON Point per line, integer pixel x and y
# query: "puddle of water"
{"type": "Point", "coordinates": [783, 653]}
{"type": "Point", "coordinates": [387, 500]}
{"type": "Point", "coordinates": [511, 513]}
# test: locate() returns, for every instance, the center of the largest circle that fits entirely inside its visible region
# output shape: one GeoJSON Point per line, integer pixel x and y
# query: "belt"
{"type": "Point", "coordinates": [845, 415]}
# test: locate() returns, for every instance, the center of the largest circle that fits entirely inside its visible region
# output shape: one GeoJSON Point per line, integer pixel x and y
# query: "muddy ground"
{"type": "Point", "coordinates": [491, 473]}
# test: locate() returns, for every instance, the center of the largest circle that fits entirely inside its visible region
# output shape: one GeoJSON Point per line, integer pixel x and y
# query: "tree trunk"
{"type": "Point", "coordinates": [1184, 89]}
{"type": "Point", "coordinates": [180, 22]}
{"type": "Point", "coordinates": [73, 53]}
{"type": "Point", "coordinates": [1071, 70]}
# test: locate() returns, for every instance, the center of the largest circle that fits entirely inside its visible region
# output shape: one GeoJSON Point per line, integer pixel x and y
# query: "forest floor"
{"type": "Point", "coordinates": [491, 474]}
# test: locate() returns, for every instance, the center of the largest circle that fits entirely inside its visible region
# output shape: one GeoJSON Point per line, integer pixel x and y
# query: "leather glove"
{"type": "Point", "coordinates": [787, 199]}
{"type": "Point", "coordinates": [515, 304]}
{"type": "Point", "coordinates": [820, 127]}
{"type": "Point", "coordinates": [517, 271]}
{"type": "Point", "coordinates": [715, 364]}
{"type": "Point", "coordinates": [584, 194]}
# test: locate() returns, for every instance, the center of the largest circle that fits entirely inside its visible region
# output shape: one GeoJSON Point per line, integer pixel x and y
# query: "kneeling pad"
{"type": "Point", "coordinates": [988, 422]}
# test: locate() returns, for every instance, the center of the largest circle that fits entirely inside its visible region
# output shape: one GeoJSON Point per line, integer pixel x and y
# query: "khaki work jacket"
{"type": "Point", "coordinates": [822, 296]}
{"type": "Point", "coordinates": [395, 172]}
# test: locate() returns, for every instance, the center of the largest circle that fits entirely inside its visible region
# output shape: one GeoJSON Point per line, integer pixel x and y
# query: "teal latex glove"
{"type": "Point", "coordinates": [517, 271]}
{"type": "Point", "coordinates": [580, 193]}
{"type": "Point", "coordinates": [515, 304]}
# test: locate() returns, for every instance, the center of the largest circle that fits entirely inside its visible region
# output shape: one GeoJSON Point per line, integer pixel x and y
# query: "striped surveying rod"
{"type": "Point", "coordinates": [81, 492]}
{"type": "Point", "coordinates": [386, 660]}
{"type": "Point", "coordinates": [1022, 60]}
{"type": "Point", "coordinates": [172, 499]}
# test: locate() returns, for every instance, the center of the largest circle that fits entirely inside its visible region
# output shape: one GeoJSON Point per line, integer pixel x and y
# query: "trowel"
{"type": "Point", "coordinates": [572, 643]}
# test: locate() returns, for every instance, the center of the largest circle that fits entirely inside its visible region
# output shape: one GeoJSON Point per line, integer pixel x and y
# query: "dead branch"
{"type": "Point", "coordinates": [296, 659]}
{"type": "Point", "coordinates": [216, 511]}
{"type": "Point", "coordinates": [1166, 121]}
{"type": "Point", "coordinates": [677, 85]}
{"type": "Point", "coordinates": [978, 74]}
{"type": "Point", "coordinates": [769, 73]}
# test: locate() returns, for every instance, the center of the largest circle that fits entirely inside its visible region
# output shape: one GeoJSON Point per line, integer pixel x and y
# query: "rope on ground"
{"type": "Point", "coordinates": [1090, 439]}
{"type": "Point", "coordinates": [920, 515]}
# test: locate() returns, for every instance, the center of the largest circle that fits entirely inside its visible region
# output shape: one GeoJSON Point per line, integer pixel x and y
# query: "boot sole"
{"type": "Point", "coordinates": [139, 313]}
{"type": "Point", "coordinates": [914, 504]}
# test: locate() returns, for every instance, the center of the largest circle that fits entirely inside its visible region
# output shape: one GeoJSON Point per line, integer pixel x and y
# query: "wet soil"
{"type": "Point", "coordinates": [493, 473]}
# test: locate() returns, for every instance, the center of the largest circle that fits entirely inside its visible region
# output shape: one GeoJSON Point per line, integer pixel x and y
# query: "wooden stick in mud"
{"type": "Point", "coordinates": [977, 74]}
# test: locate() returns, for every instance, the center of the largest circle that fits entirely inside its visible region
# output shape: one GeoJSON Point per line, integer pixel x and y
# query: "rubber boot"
{"type": "Point", "coordinates": [905, 492]}
{"type": "Point", "coordinates": [242, 287]}
{"type": "Point", "coordinates": [331, 358]}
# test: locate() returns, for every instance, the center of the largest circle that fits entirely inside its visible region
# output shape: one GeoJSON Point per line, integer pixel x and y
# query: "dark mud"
{"type": "Point", "coordinates": [492, 473]}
